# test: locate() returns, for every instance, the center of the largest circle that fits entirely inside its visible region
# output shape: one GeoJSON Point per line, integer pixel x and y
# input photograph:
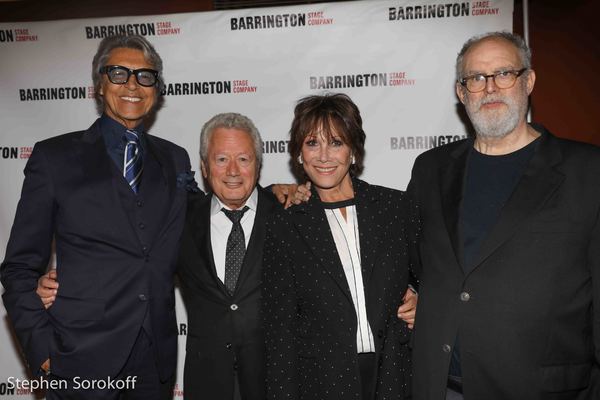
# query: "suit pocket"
{"type": "Point", "coordinates": [204, 347]}
{"type": "Point", "coordinates": [74, 309]}
{"type": "Point", "coordinates": [562, 378]}
{"type": "Point", "coordinates": [552, 220]}
{"type": "Point", "coordinates": [551, 227]}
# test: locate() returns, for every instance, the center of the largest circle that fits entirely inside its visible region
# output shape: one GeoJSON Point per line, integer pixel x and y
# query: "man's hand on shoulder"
{"type": "Point", "coordinates": [47, 288]}
{"type": "Point", "coordinates": [288, 194]}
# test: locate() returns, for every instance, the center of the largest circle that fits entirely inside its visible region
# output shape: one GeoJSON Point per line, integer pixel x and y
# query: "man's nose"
{"type": "Point", "coordinates": [233, 168]}
{"type": "Point", "coordinates": [490, 85]}
{"type": "Point", "coordinates": [131, 83]}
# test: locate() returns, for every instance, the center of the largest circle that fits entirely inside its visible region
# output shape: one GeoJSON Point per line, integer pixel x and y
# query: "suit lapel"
{"type": "Point", "coordinates": [97, 167]}
{"type": "Point", "coordinates": [254, 252]}
{"type": "Point", "coordinates": [452, 182]}
{"type": "Point", "coordinates": [200, 218]}
{"type": "Point", "coordinates": [311, 222]}
{"type": "Point", "coordinates": [366, 207]}
{"type": "Point", "coordinates": [168, 170]}
{"type": "Point", "coordinates": [537, 184]}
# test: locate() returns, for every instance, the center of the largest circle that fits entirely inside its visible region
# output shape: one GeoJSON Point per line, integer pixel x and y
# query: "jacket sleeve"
{"type": "Point", "coordinates": [414, 225]}
{"type": "Point", "coordinates": [594, 265]}
{"type": "Point", "coordinates": [27, 255]}
{"type": "Point", "coordinates": [279, 314]}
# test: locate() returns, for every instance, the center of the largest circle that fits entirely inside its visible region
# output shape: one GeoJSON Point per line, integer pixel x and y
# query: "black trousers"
{"type": "Point", "coordinates": [141, 366]}
{"type": "Point", "coordinates": [368, 373]}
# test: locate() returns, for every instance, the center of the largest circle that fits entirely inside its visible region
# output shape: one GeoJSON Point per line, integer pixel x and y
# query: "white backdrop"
{"type": "Point", "coordinates": [394, 58]}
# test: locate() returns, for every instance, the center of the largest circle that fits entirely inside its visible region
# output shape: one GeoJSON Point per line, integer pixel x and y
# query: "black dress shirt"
{"type": "Point", "coordinates": [113, 134]}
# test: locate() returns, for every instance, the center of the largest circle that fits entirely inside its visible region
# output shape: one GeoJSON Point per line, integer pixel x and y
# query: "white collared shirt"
{"type": "Point", "coordinates": [347, 242]}
{"type": "Point", "coordinates": [220, 228]}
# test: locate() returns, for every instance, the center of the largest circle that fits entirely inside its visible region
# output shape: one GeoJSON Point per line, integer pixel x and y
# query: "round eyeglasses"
{"type": "Point", "coordinates": [502, 79]}
{"type": "Point", "coordinates": [119, 75]}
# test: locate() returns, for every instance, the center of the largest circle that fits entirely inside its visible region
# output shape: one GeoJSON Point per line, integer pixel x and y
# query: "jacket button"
{"type": "Point", "coordinates": [139, 203]}
{"type": "Point", "coordinates": [233, 307]}
{"type": "Point", "coordinates": [228, 345]}
{"type": "Point", "coordinates": [142, 297]}
{"type": "Point", "coordinates": [446, 348]}
{"type": "Point", "coordinates": [464, 296]}
{"type": "Point", "coordinates": [141, 225]}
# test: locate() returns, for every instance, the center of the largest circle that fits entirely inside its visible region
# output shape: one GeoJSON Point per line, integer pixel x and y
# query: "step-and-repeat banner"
{"type": "Point", "coordinates": [395, 59]}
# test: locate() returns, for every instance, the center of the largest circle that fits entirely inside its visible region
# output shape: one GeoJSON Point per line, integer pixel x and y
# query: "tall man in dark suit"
{"type": "Point", "coordinates": [112, 198]}
{"type": "Point", "coordinates": [509, 303]}
{"type": "Point", "coordinates": [220, 265]}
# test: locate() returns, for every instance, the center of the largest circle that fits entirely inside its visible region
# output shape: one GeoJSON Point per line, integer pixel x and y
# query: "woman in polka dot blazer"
{"type": "Point", "coordinates": [336, 270]}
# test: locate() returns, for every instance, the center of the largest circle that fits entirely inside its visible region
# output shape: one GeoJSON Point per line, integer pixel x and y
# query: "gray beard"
{"type": "Point", "coordinates": [495, 125]}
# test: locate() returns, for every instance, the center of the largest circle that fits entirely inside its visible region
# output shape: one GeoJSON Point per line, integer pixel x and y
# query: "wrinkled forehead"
{"type": "Point", "coordinates": [225, 139]}
{"type": "Point", "coordinates": [128, 57]}
{"type": "Point", "coordinates": [490, 55]}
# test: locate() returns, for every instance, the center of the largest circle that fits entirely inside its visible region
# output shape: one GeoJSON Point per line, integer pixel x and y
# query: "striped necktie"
{"type": "Point", "coordinates": [132, 163]}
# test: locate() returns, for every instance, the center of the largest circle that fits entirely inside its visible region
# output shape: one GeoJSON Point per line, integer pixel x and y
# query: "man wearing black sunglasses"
{"type": "Point", "coordinates": [112, 198]}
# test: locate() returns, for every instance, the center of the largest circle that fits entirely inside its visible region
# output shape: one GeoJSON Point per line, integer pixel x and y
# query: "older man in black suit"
{"type": "Point", "coordinates": [509, 245]}
{"type": "Point", "coordinates": [220, 265]}
{"type": "Point", "coordinates": [112, 198]}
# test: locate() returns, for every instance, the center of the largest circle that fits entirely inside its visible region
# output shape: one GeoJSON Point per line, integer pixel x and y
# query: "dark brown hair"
{"type": "Point", "coordinates": [333, 113]}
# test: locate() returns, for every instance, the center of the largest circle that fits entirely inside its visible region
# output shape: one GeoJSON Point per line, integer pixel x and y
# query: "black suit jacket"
{"type": "Point", "coordinates": [108, 278]}
{"type": "Point", "coordinates": [310, 320]}
{"type": "Point", "coordinates": [527, 315]}
{"type": "Point", "coordinates": [224, 332]}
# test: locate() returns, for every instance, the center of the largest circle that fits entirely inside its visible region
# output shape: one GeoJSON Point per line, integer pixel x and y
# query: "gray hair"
{"type": "Point", "coordinates": [230, 121]}
{"type": "Point", "coordinates": [136, 42]}
{"type": "Point", "coordinates": [515, 40]}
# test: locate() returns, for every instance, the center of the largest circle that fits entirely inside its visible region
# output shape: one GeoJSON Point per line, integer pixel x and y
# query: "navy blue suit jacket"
{"type": "Point", "coordinates": [109, 279]}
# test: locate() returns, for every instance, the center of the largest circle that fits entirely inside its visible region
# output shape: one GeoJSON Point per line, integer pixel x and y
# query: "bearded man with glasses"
{"type": "Point", "coordinates": [508, 225]}
{"type": "Point", "coordinates": [112, 198]}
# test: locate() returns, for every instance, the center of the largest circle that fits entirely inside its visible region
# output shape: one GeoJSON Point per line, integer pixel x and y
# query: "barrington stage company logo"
{"type": "Point", "coordinates": [238, 86]}
{"type": "Point", "coordinates": [422, 142]}
{"type": "Point", "coordinates": [160, 28]}
{"type": "Point", "coordinates": [275, 146]}
{"type": "Point", "coordinates": [397, 78]}
{"type": "Point", "coordinates": [276, 21]}
{"type": "Point", "coordinates": [15, 153]}
{"type": "Point", "coordinates": [56, 93]}
{"type": "Point", "coordinates": [442, 10]}
{"type": "Point", "coordinates": [17, 35]}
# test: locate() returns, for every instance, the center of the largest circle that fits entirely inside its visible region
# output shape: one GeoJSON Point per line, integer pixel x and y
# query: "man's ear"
{"type": "Point", "coordinates": [204, 169]}
{"type": "Point", "coordinates": [530, 81]}
{"type": "Point", "coordinates": [460, 92]}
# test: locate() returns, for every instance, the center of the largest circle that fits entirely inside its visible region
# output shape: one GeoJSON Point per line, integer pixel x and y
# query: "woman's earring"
{"type": "Point", "coordinates": [353, 160]}
{"type": "Point", "coordinates": [300, 159]}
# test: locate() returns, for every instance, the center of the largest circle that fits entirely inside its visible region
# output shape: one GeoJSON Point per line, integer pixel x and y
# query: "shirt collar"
{"type": "Point", "coordinates": [113, 132]}
{"type": "Point", "coordinates": [216, 204]}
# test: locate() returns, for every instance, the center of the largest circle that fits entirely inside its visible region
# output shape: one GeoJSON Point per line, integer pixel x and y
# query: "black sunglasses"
{"type": "Point", "coordinates": [119, 75]}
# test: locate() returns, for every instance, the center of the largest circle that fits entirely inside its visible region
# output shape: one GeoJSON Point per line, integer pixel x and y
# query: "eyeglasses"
{"type": "Point", "coordinates": [119, 75]}
{"type": "Point", "coordinates": [502, 80]}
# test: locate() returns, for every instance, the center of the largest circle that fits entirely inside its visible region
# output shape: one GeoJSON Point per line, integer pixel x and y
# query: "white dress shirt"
{"type": "Point", "coordinates": [220, 228]}
{"type": "Point", "coordinates": [347, 242]}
